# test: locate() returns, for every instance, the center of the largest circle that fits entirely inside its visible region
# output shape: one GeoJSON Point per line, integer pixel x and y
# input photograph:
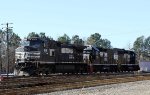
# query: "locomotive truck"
{"type": "Point", "coordinates": [38, 56]}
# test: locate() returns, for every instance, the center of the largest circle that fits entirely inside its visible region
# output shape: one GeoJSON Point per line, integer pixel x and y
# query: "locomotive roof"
{"type": "Point", "coordinates": [90, 47]}
{"type": "Point", "coordinates": [115, 50]}
{"type": "Point", "coordinates": [78, 47]}
{"type": "Point", "coordinates": [33, 38]}
{"type": "Point", "coordinates": [42, 39]}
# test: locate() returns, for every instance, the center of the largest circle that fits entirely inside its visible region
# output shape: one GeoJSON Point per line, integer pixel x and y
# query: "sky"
{"type": "Point", "coordinates": [120, 21]}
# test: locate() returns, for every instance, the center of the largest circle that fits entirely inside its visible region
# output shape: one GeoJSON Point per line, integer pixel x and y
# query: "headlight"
{"type": "Point", "coordinates": [26, 55]}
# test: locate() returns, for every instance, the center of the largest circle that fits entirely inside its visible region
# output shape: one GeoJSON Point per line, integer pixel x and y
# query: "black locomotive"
{"type": "Point", "coordinates": [43, 56]}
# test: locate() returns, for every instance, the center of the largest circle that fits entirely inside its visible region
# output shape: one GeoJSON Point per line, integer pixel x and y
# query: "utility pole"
{"type": "Point", "coordinates": [7, 41]}
{"type": "Point", "coordinates": [0, 57]}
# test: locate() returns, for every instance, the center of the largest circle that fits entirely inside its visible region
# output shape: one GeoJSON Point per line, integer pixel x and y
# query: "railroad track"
{"type": "Point", "coordinates": [34, 85]}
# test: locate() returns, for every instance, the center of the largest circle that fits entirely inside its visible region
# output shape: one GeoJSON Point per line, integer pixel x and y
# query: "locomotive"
{"type": "Point", "coordinates": [38, 56]}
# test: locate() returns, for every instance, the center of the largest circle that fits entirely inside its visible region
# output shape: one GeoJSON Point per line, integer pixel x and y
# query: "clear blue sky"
{"type": "Point", "coordinates": [120, 21]}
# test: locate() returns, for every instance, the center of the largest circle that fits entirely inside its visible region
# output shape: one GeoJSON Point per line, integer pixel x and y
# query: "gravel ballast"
{"type": "Point", "coordinates": [132, 88]}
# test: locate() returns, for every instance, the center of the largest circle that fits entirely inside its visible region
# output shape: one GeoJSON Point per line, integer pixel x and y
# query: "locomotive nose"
{"type": "Point", "coordinates": [19, 54]}
{"type": "Point", "coordinates": [26, 53]}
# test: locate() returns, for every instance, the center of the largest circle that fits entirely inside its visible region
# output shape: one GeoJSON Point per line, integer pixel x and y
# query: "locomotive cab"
{"type": "Point", "coordinates": [90, 54]}
{"type": "Point", "coordinates": [29, 52]}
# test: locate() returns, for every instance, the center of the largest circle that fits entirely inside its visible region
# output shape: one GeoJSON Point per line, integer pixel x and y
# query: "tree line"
{"type": "Point", "coordinates": [94, 39]}
{"type": "Point", "coordinates": [14, 42]}
{"type": "Point", "coordinates": [141, 45]}
{"type": "Point", "coordinates": [142, 48]}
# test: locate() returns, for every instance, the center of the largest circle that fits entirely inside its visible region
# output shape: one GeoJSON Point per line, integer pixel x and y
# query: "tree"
{"type": "Point", "coordinates": [142, 47]}
{"type": "Point", "coordinates": [76, 40]}
{"type": "Point", "coordinates": [49, 37]}
{"type": "Point", "coordinates": [32, 34]}
{"type": "Point", "coordinates": [106, 43]}
{"type": "Point", "coordinates": [64, 39]}
{"type": "Point", "coordinates": [96, 40]}
{"type": "Point", "coordinates": [40, 35]}
{"type": "Point", "coordinates": [147, 43]}
{"type": "Point", "coordinates": [14, 42]}
{"type": "Point", "coordinates": [139, 44]}
{"type": "Point", "coordinates": [1, 35]}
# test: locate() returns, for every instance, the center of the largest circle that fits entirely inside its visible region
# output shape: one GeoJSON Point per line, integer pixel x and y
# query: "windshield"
{"type": "Point", "coordinates": [20, 49]}
{"type": "Point", "coordinates": [26, 49]}
{"type": "Point", "coordinates": [35, 44]}
{"type": "Point", "coordinates": [87, 51]}
{"type": "Point", "coordinates": [32, 43]}
{"type": "Point", "coordinates": [25, 43]}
